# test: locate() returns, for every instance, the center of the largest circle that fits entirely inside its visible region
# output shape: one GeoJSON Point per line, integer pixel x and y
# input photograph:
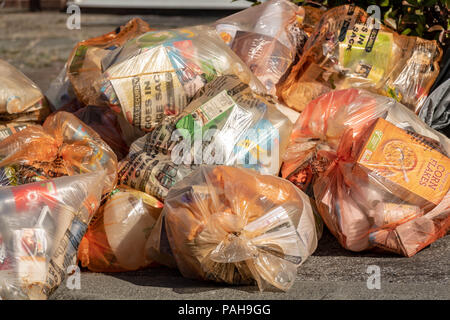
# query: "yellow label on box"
{"type": "Point", "coordinates": [411, 169]}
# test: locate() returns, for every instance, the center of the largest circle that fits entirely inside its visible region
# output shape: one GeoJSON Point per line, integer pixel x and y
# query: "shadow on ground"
{"type": "Point", "coordinates": [170, 278]}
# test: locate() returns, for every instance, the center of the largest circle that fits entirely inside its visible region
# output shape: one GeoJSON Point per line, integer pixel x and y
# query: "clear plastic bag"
{"type": "Point", "coordinates": [84, 66]}
{"type": "Point", "coordinates": [20, 99]}
{"type": "Point", "coordinates": [63, 145]}
{"type": "Point", "coordinates": [226, 123]}
{"type": "Point", "coordinates": [117, 234]}
{"type": "Point", "coordinates": [41, 226]}
{"type": "Point", "coordinates": [10, 128]}
{"type": "Point", "coordinates": [347, 50]}
{"type": "Point", "coordinates": [379, 175]}
{"type": "Point", "coordinates": [266, 37]}
{"type": "Point", "coordinates": [236, 226]}
{"type": "Point", "coordinates": [157, 74]}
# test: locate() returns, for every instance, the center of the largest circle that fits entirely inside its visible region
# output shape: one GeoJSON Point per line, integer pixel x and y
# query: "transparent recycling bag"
{"type": "Point", "coordinates": [379, 175]}
{"type": "Point", "coordinates": [157, 74]}
{"type": "Point", "coordinates": [84, 66]}
{"type": "Point", "coordinates": [348, 50]}
{"type": "Point", "coordinates": [20, 99]}
{"type": "Point", "coordinates": [237, 226]}
{"type": "Point", "coordinates": [226, 123]}
{"type": "Point", "coordinates": [41, 226]}
{"type": "Point", "coordinates": [117, 234]}
{"type": "Point", "coordinates": [268, 37]}
{"type": "Point", "coordinates": [63, 145]}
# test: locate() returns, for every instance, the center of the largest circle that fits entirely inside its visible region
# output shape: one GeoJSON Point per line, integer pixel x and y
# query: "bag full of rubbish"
{"type": "Point", "coordinates": [350, 49]}
{"type": "Point", "coordinates": [157, 74]}
{"type": "Point", "coordinates": [41, 226]}
{"type": "Point", "coordinates": [268, 37]}
{"type": "Point", "coordinates": [226, 123]}
{"type": "Point", "coordinates": [62, 146]}
{"type": "Point", "coordinates": [236, 226]}
{"type": "Point", "coordinates": [379, 175]}
{"type": "Point", "coordinates": [20, 99]}
{"type": "Point", "coordinates": [84, 66]}
{"type": "Point", "coordinates": [117, 234]}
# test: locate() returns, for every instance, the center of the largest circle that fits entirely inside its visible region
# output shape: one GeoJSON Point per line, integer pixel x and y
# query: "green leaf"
{"type": "Point", "coordinates": [419, 29]}
{"type": "Point", "coordinates": [429, 3]}
{"type": "Point", "coordinates": [412, 2]}
{"type": "Point", "coordinates": [384, 3]}
{"type": "Point", "coordinates": [406, 31]}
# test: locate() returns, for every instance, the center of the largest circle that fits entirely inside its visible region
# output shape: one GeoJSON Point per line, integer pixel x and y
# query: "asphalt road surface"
{"type": "Point", "coordinates": [39, 44]}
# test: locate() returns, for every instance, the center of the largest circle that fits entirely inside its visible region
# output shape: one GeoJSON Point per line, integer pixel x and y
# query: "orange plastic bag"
{"type": "Point", "coordinates": [116, 237]}
{"type": "Point", "coordinates": [62, 146]}
{"type": "Point", "coordinates": [347, 50]}
{"type": "Point", "coordinates": [379, 175]}
{"type": "Point", "coordinates": [236, 226]}
{"type": "Point", "coordinates": [85, 62]}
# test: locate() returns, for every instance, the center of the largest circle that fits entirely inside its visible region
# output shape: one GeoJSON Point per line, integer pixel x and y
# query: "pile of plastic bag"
{"type": "Point", "coordinates": [222, 149]}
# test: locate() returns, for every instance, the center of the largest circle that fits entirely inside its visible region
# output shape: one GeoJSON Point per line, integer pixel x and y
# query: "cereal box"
{"type": "Point", "coordinates": [408, 165]}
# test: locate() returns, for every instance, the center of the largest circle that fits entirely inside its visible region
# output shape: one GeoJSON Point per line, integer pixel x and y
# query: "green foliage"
{"type": "Point", "coordinates": [427, 19]}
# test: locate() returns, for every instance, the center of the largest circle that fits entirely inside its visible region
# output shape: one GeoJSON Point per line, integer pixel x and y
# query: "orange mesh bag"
{"type": "Point", "coordinates": [233, 225]}
{"type": "Point", "coordinates": [379, 175]}
{"type": "Point", "coordinates": [348, 50]}
{"type": "Point", "coordinates": [116, 237]}
{"type": "Point", "coordinates": [84, 66]}
{"type": "Point", "coordinates": [62, 146]}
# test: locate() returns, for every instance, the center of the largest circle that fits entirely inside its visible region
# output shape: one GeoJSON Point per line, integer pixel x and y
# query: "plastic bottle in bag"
{"type": "Point", "coordinates": [236, 226]}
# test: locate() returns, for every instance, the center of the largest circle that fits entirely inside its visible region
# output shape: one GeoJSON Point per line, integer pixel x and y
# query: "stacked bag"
{"type": "Point", "coordinates": [220, 150]}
